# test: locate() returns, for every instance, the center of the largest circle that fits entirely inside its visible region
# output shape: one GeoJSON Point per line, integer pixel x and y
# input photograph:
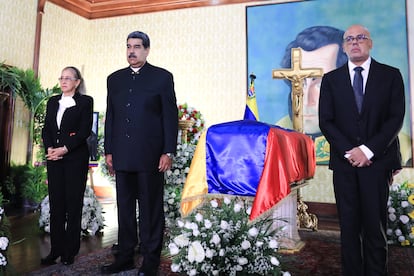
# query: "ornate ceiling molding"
{"type": "Point", "coordinates": [94, 9]}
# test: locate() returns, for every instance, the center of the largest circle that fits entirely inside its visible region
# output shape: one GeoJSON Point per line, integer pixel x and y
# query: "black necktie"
{"type": "Point", "coordinates": [358, 87]}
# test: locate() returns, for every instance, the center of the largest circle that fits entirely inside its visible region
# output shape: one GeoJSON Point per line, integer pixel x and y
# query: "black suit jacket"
{"type": "Point", "coordinates": [75, 126]}
{"type": "Point", "coordinates": [378, 124]}
{"type": "Point", "coordinates": [141, 118]}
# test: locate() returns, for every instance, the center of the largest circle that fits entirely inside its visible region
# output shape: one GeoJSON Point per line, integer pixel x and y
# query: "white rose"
{"type": "Point", "coordinates": [214, 203]}
{"type": "Point", "coordinates": [392, 217]}
{"type": "Point", "coordinates": [245, 244]}
{"type": "Point", "coordinates": [196, 232]}
{"type": "Point", "coordinates": [199, 217]}
{"type": "Point", "coordinates": [175, 267]}
{"type": "Point", "coordinates": [391, 210]}
{"type": "Point", "coordinates": [242, 261]}
{"type": "Point", "coordinates": [259, 243]}
{"type": "Point", "coordinates": [273, 244]}
{"type": "Point", "coordinates": [209, 253]}
{"type": "Point", "coordinates": [215, 239]}
{"type": "Point", "coordinates": [174, 250]}
{"type": "Point", "coordinates": [237, 207]}
{"type": "Point", "coordinates": [404, 204]}
{"type": "Point", "coordinates": [274, 261]}
{"type": "Point", "coordinates": [253, 232]}
{"type": "Point", "coordinates": [207, 224]}
{"type": "Point", "coordinates": [180, 223]}
{"type": "Point", "coordinates": [4, 242]}
{"type": "Point", "coordinates": [404, 219]}
{"type": "Point", "coordinates": [227, 200]}
{"type": "Point", "coordinates": [224, 224]}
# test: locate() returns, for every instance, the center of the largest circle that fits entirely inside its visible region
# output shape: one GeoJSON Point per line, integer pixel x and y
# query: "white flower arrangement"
{"type": "Point", "coordinates": [176, 176]}
{"type": "Point", "coordinates": [401, 214]}
{"type": "Point", "coordinates": [4, 240]}
{"type": "Point", "coordinates": [92, 218]}
{"type": "Point", "coordinates": [175, 179]}
{"type": "Point", "coordinates": [218, 240]}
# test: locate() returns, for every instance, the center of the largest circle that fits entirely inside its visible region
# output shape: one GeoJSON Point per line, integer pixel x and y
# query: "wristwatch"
{"type": "Point", "coordinates": [170, 155]}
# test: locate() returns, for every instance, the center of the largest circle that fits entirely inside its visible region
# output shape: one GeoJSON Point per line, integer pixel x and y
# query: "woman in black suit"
{"type": "Point", "coordinates": [68, 124]}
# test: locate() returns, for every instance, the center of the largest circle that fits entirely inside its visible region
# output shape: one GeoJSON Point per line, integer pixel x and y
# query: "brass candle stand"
{"type": "Point", "coordinates": [185, 126]}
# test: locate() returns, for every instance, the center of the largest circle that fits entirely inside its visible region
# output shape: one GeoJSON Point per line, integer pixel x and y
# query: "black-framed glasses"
{"type": "Point", "coordinates": [359, 38]}
{"type": "Point", "coordinates": [67, 79]}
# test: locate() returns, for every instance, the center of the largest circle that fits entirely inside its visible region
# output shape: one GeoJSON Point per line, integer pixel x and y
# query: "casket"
{"type": "Point", "coordinates": [248, 158]}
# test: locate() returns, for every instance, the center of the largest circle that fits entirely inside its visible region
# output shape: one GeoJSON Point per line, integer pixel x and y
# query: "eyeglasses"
{"type": "Point", "coordinates": [66, 79]}
{"type": "Point", "coordinates": [359, 38]}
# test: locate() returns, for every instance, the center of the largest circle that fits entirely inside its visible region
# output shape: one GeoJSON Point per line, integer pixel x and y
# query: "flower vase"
{"type": "Point", "coordinates": [184, 126]}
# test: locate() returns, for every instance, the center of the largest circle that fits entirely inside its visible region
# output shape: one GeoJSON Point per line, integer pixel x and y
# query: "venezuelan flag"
{"type": "Point", "coordinates": [251, 112]}
{"type": "Point", "coordinates": [248, 158]}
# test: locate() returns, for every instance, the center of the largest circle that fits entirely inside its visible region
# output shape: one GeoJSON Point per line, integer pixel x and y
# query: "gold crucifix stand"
{"type": "Point", "coordinates": [296, 75]}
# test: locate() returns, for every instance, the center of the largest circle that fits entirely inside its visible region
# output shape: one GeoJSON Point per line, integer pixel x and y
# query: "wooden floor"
{"type": "Point", "coordinates": [29, 244]}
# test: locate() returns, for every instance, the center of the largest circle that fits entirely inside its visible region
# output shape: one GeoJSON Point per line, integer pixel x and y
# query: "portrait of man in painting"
{"type": "Point", "coordinates": [319, 37]}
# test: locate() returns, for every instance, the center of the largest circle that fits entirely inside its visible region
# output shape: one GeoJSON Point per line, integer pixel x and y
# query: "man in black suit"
{"type": "Point", "coordinates": [141, 131]}
{"type": "Point", "coordinates": [365, 149]}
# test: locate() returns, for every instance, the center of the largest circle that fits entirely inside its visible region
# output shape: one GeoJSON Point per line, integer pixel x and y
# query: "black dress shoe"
{"type": "Point", "coordinates": [49, 260]}
{"type": "Point", "coordinates": [147, 272]}
{"type": "Point", "coordinates": [117, 267]}
{"type": "Point", "coordinates": [68, 260]}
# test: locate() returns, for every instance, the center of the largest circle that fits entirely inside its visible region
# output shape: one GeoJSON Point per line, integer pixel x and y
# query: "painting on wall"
{"type": "Point", "coordinates": [317, 28]}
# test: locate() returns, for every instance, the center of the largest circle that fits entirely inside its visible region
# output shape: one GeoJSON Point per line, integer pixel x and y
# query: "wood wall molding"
{"type": "Point", "coordinates": [94, 9]}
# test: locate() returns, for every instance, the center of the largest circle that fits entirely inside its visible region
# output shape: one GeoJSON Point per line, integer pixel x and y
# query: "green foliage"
{"type": "Point", "coordinates": [25, 182]}
{"type": "Point", "coordinates": [35, 188]}
{"type": "Point", "coordinates": [31, 91]}
{"type": "Point", "coordinates": [8, 78]}
{"type": "Point", "coordinates": [11, 186]}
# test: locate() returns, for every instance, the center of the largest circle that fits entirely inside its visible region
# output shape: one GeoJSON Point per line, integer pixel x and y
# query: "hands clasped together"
{"type": "Point", "coordinates": [357, 158]}
{"type": "Point", "coordinates": [54, 154]}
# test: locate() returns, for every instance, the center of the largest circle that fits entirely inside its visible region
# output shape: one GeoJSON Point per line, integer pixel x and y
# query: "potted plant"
{"type": "Point", "coordinates": [34, 188]}
{"type": "Point", "coordinates": [33, 97]}
{"type": "Point", "coordinates": [8, 78]}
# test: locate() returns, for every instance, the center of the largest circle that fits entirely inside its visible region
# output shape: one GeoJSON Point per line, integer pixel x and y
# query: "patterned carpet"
{"type": "Point", "coordinates": [320, 256]}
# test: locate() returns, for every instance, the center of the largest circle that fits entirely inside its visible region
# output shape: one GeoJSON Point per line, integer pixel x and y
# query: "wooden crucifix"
{"type": "Point", "coordinates": [296, 74]}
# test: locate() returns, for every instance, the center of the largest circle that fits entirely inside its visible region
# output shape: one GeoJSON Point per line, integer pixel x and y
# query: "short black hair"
{"type": "Point", "coordinates": [140, 35]}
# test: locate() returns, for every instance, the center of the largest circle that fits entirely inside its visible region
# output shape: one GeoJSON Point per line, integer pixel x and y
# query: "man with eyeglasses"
{"type": "Point", "coordinates": [361, 111]}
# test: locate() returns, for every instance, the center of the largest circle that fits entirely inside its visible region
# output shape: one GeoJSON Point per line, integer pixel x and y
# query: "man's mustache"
{"type": "Point", "coordinates": [132, 56]}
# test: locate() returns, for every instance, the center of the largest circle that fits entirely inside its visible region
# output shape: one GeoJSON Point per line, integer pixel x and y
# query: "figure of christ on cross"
{"type": "Point", "coordinates": [296, 74]}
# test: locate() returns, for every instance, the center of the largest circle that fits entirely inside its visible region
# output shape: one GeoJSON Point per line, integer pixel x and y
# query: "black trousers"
{"type": "Point", "coordinates": [66, 184]}
{"type": "Point", "coordinates": [148, 188]}
{"type": "Point", "coordinates": [361, 198]}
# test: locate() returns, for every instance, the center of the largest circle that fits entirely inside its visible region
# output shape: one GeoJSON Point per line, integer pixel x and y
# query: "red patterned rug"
{"type": "Point", "coordinates": [320, 256]}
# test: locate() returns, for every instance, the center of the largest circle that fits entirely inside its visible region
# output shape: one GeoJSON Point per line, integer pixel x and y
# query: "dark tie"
{"type": "Point", "coordinates": [358, 87]}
